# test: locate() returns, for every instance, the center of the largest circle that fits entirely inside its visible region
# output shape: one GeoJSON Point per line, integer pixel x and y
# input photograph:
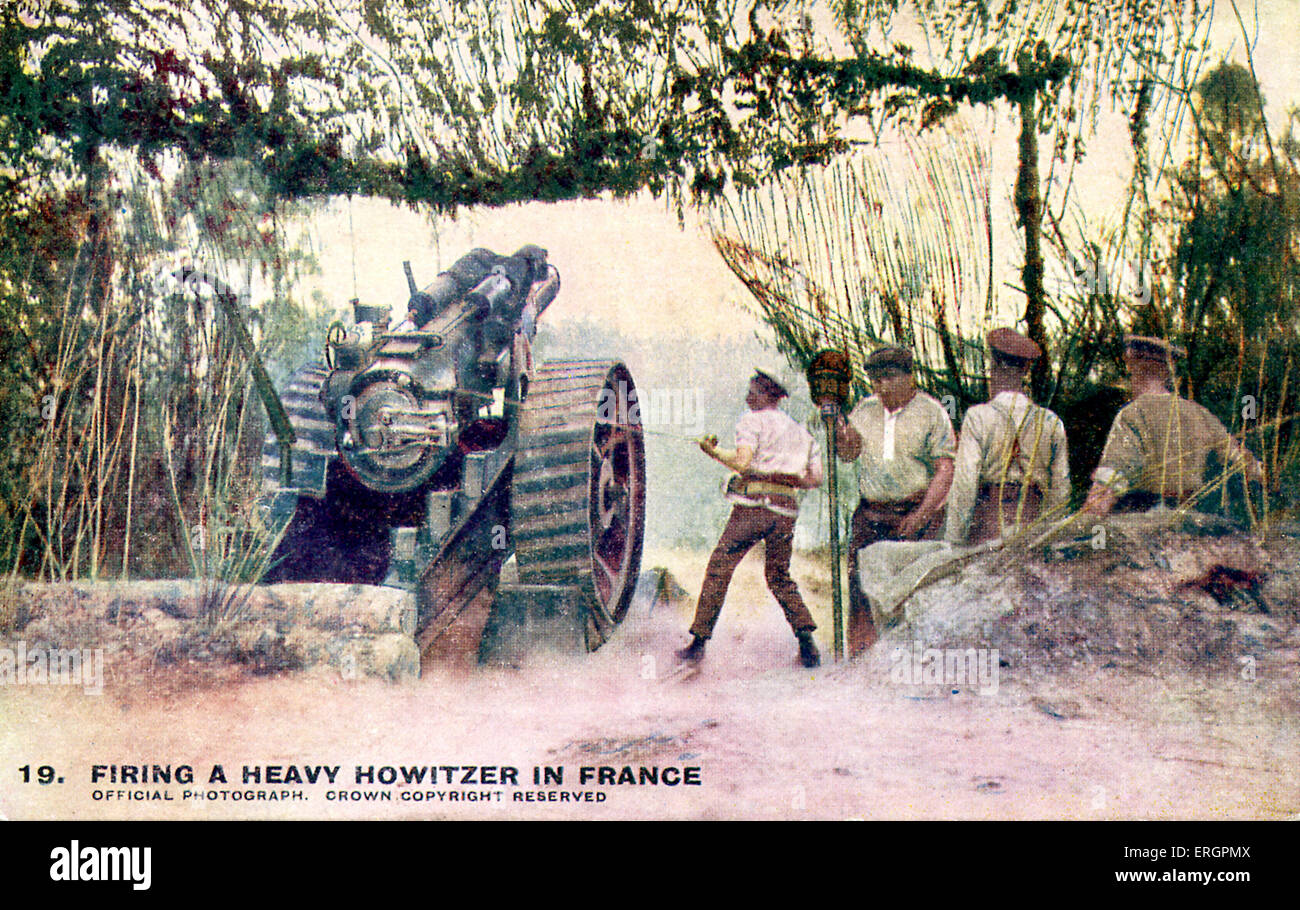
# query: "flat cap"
{"type": "Point", "coordinates": [1145, 347]}
{"type": "Point", "coordinates": [769, 384]}
{"type": "Point", "coordinates": [890, 357]}
{"type": "Point", "coordinates": [1011, 343]}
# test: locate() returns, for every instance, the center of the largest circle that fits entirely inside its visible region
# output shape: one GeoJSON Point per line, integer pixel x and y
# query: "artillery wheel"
{"type": "Point", "coordinates": [335, 529]}
{"type": "Point", "coordinates": [578, 492]}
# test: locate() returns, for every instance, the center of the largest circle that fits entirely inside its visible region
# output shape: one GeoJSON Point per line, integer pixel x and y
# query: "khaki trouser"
{"type": "Point", "coordinates": [872, 522]}
{"type": "Point", "coordinates": [746, 527]}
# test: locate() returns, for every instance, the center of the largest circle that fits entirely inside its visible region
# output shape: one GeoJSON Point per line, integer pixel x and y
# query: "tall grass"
{"type": "Point", "coordinates": [146, 430]}
{"type": "Point", "coordinates": [887, 246]}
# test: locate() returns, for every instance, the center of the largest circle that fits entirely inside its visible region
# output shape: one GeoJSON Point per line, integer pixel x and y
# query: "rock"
{"type": "Point", "coordinates": [333, 607]}
{"type": "Point", "coordinates": [355, 629]}
{"type": "Point", "coordinates": [392, 656]}
{"type": "Point", "coordinates": [657, 588]}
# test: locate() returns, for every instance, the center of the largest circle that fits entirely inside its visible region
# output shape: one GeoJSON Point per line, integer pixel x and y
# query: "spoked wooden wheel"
{"type": "Point", "coordinates": [578, 491]}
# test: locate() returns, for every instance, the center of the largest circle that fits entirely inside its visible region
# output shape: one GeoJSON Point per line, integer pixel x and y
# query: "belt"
{"type": "Point", "coordinates": [764, 492]}
{"type": "Point", "coordinates": [893, 508]}
{"type": "Point", "coordinates": [767, 488]}
{"type": "Point", "coordinates": [1009, 492]}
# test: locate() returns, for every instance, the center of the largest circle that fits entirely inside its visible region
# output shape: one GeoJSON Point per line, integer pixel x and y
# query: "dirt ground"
{"type": "Point", "coordinates": [770, 740]}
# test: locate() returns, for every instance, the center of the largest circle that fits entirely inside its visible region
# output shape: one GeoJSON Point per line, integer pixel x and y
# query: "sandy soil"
{"type": "Point", "coordinates": [771, 740]}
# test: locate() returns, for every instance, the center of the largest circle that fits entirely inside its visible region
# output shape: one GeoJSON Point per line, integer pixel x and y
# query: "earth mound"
{"type": "Point", "coordinates": [1144, 592]}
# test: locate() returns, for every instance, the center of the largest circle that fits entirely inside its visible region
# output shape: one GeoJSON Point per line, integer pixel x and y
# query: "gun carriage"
{"type": "Point", "coordinates": [426, 454]}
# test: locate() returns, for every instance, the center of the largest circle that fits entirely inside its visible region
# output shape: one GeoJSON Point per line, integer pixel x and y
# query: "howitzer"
{"type": "Point", "coordinates": [425, 454]}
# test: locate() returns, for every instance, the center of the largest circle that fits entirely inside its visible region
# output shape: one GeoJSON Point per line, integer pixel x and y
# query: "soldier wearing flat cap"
{"type": "Point", "coordinates": [1162, 449]}
{"type": "Point", "coordinates": [775, 459]}
{"type": "Point", "coordinates": [903, 443]}
{"type": "Point", "coordinates": [1012, 463]}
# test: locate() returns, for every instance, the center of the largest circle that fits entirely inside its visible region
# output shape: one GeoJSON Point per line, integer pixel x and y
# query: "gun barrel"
{"type": "Point", "coordinates": [447, 288]}
{"type": "Point", "coordinates": [544, 292]}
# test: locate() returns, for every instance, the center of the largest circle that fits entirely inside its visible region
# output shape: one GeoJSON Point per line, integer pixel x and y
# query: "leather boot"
{"type": "Point", "coordinates": [694, 651]}
{"type": "Point", "coordinates": [809, 656]}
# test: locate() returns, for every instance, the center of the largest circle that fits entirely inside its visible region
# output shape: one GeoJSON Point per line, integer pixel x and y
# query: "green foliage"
{"type": "Point", "coordinates": [448, 103]}
{"type": "Point", "coordinates": [1234, 262]}
{"type": "Point", "coordinates": [458, 102]}
{"type": "Point", "coordinates": [130, 417]}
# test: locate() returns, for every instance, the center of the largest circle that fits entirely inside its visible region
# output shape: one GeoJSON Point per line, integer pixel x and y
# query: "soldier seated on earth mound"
{"type": "Point", "coordinates": [1162, 449]}
{"type": "Point", "coordinates": [775, 459]}
{"type": "Point", "coordinates": [904, 445]}
{"type": "Point", "coordinates": [1012, 463]}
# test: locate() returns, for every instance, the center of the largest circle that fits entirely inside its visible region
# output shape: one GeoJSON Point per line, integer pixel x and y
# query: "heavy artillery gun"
{"type": "Point", "coordinates": [425, 454]}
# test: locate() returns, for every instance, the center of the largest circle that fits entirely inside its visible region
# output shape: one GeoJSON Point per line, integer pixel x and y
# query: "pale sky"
{"type": "Point", "coordinates": [624, 263]}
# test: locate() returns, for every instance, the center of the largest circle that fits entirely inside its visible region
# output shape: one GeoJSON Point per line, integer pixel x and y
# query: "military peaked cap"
{"type": "Point", "coordinates": [769, 384]}
{"type": "Point", "coordinates": [890, 357]}
{"type": "Point", "coordinates": [1157, 349]}
{"type": "Point", "coordinates": [1011, 344]}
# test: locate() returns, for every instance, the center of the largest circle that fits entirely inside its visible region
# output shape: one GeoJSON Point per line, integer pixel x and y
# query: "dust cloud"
{"type": "Point", "coordinates": [771, 739]}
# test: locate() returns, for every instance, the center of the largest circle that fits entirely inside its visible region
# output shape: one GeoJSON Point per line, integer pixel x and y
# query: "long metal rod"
{"type": "Point", "coordinates": [275, 411]}
{"type": "Point", "coordinates": [832, 457]}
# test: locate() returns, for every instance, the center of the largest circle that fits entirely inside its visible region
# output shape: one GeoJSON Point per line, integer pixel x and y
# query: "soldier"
{"type": "Point", "coordinates": [1011, 460]}
{"type": "Point", "coordinates": [903, 442]}
{"type": "Point", "coordinates": [775, 459]}
{"type": "Point", "coordinates": [1161, 448]}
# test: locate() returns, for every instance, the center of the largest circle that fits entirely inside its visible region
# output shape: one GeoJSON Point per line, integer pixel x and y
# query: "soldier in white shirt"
{"type": "Point", "coordinates": [775, 459]}
{"type": "Point", "coordinates": [1012, 462]}
{"type": "Point", "coordinates": [903, 443]}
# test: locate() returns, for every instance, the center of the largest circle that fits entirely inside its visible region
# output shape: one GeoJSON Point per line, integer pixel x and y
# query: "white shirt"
{"type": "Point", "coordinates": [887, 442]}
{"type": "Point", "coordinates": [900, 449]}
{"type": "Point", "coordinates": [1007, 440]}
{"type": "Point", "coordinates": [780, 446]}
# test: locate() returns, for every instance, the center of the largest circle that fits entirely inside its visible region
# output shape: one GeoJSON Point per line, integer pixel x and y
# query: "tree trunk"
{"type": "Point", "coordinates": [1029, 208]}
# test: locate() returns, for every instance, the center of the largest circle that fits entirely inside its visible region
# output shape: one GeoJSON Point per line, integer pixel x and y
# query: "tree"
{"type": "Point", "coordinates": [1234, 223]}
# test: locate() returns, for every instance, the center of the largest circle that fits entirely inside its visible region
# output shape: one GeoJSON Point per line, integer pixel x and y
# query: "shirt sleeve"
{"type": "Point", "coordinates": [1058, 494]}
{"type": "Point", "coordinates": [855, 419]}
{"type": "Point", "coordinates": [1121, 459]}
{"type": "Point", "coordinates": [747, 431]}
{"type": "Point", "coordinates": [943, 441]}
{"type": "Point", "coordinates": [965, 480]}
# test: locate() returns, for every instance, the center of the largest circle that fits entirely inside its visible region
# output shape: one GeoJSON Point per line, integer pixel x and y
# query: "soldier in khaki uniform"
{"type": "Point", "coordinates": [1161, 446]}
{"type": "Point", "coordinates": [1012, 462]}
{"type": "Point", "coordinates": [903, 442]}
